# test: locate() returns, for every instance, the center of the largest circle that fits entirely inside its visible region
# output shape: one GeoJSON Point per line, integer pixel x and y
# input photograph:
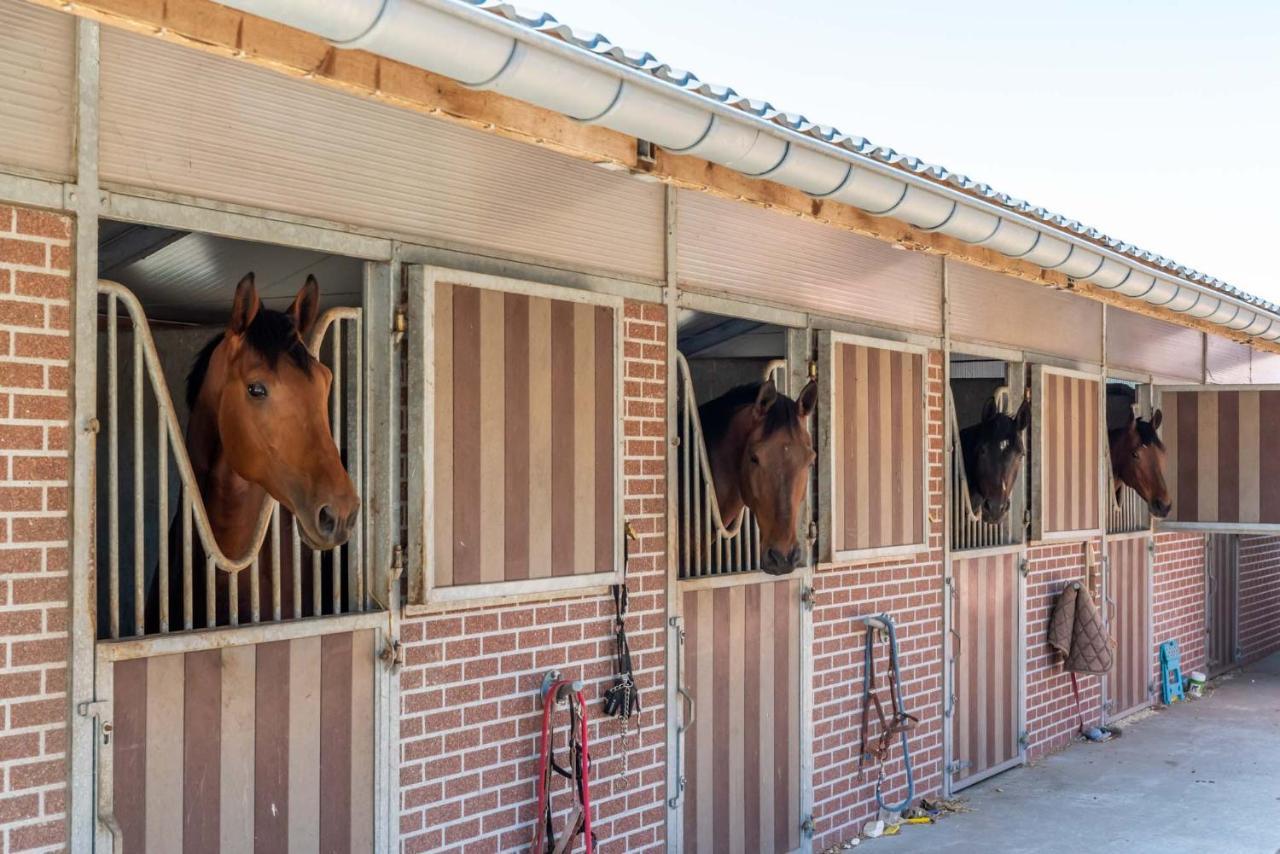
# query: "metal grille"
{"type": "Point", "coordinates": [152, 489]}
{"type": "Point", "coordinates": [708, 546]}
{"type": "Point", "coordinates": [968, 531]}
{"type": "Point", "coordinates": [1129, 512]}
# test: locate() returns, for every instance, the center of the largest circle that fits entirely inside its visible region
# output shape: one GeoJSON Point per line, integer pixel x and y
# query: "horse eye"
{"type": "Point", "coordinates": [755, 461]}
{"type": "Point", "coordinates": [1137, 454]}
{"type": "Point", "coordinates": [257, 390]}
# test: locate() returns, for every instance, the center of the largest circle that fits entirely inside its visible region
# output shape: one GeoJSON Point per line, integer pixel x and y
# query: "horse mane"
{"type": "Point", "coordinates": [272, 333]}
{"type": "Point", "coordinates": [716, 414]}
{"type": "Point", "coordinates": [1147, 434]}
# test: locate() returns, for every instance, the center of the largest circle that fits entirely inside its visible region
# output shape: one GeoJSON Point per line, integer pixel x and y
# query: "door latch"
{"type": "Point", "coordinates": [808, 596]}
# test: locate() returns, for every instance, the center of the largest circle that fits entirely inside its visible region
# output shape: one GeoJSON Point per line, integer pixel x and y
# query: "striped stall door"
{"type": "Point", "coordinates": [742, 754]}
{"type": "Point", "coordinates": [1129, 607]}
{"type": "Point", "coordinates": [1070, 444]}
{"type": "Point", "coordinates": [986, 721]}
{"type": "Point", "coordinates": [1222, 555]}
{"type": "Point", "coordinates": [265, 748]}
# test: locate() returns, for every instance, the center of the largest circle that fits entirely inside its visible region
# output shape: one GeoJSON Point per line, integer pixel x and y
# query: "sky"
{"type": "Point", "coordinates": [1156, 122]}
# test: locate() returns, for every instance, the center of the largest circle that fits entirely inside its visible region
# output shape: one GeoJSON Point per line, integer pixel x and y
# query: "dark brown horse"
{"type": "Point", "coordinates": [1137, 461]}
{"type": "Point", "coordinates": [993, 450]}
{"type": "Point", "coordinates": [259, 427]}
{"type": "Point", "coordinates": [760, 452]}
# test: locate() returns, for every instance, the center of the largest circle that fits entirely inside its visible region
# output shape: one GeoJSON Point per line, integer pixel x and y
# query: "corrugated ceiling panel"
{"type": "Point", "coordinates": [37, 74]}
{"type": "Point", "coordinates": [1141, 343]}
{"type": "Point", "coordinates": [760, 254]}
{"type": "Point", "coordinates": [182, 121]}
{"type": "Point", "coordinates": [991, 307]}
{"type": "Point", "coordinates": [1227, 361]}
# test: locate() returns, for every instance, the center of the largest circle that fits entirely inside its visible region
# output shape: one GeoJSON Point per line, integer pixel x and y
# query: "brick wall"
{"type": "Point", "coordinates": [470, 714]}
{"type": "Point", "coordinates": [1258, 626]}
{"type": "Point", "coordinates": [910, 592]}
{"type": "Point", "coordinates": [1178, 600]}
{"type": "Point", "coordinates": [35, 351]}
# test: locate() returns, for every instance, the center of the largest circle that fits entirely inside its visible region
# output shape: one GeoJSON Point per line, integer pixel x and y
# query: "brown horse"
{"type": "Point", "coordinates": [760, 452]}
{"type": "Point", "coordinates": [259, 427]}
{"type": "Point", "coordinates": [1137, 461]}
{"type": "Point", "coordinates": [993, 450]}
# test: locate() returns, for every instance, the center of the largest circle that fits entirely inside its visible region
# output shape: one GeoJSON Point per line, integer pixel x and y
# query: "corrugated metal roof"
{"type": "Point", "coordinates": [646, 62]}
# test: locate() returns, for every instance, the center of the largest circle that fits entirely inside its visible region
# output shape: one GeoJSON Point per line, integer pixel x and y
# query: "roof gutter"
{"type": "Point", "coordinates": [467, 42]}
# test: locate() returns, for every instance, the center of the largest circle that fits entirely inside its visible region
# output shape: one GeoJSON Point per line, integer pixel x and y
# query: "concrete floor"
{"type": "Point", "coordinates": [1200, 777]}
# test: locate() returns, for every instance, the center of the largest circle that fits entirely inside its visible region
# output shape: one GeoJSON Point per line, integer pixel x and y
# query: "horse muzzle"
{"type": "Point", "coordinates": [1160, 509]}
{"type": "Point", "coordinates": [774, 562]}
{"type": "Point", "coordinates": [330, 525]}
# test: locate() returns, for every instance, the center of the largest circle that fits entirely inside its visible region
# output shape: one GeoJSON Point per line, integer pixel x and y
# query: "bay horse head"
{"type": "Point", "coordinates": [993, 451]}
{"type": "Point", "coordinates": [259, 422]}
{"type": "Point", "coordinates": [760, 449]}
{"type": "Point", "coordinates": [1137, 461]}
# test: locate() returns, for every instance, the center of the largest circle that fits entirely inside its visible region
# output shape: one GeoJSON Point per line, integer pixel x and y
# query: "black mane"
{"type": "Point", "coordinates": [1147, 434]}
{"type": "Point", "coordinates": [272, 333]}
{"type": "Point", "coordinates": [716, 414]}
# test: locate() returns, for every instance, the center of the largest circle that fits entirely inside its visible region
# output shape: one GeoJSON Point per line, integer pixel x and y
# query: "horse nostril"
{"type": "Point", "coordinates": [326, 522]}
{"type": "Point", "coordinates": [793, 559]}
{"type": "Point", "coordinates": [773, 557]}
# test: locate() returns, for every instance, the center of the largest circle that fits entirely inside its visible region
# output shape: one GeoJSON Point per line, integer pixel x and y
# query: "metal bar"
{"type": "Point", "coordinates": [139, 495]}
{"type": "Point", "coordinates": [188, 583]}
{"type": "Point", "coordinates": [275, 565]}
{"type": "Point", "coordinates": [295, 545]}
{"type": "Point", "coordinates": [355, 461]}
{"type": "Point", "coordinates": [162, 471]}
{"type": "Point", "coordinates": [335, 407]}
{"type": "Point", "coordinates": [316, 584]}
{"type": "Point", "coordinates": [233, 598]}
{"type": "Point", "coordinates": [255, 592]}
{"type": "Point", "coordinates": [210, 593]}
{"type": "Point", "coordinates": [113, 468]}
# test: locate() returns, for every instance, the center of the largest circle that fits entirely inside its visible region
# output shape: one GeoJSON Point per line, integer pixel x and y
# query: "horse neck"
{"type": "Point", "coordinates": [726, 465]}
{"type": "Point", "coordinates": [231, 502]}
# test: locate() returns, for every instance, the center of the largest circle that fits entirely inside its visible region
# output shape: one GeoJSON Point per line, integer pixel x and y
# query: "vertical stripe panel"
{"type": "Point", "coordinates": [862, 439]}
{"type": "Point", "coordinates": [1207, 456]}
{"type": "Point", "coordinates": [1049, 469]}
{"type": "Point", "coordinates": [1248, 464]}
{"type": "Point", "coordinates": [1070, 462]}
{"type": "Point", "coordinates": [466, 436]}
{"type": "Point", "coordinates": [271, 748]}
{"type": "Point", "coordinates": [874, 497]}
{"type": "Point", "coordinates": [235, 831]}
{"type": "Point", "coordinates": [705, 802]}
{"type": "Point", "coordinates": [1169, 434]}
{"type": "Point", "coordinates": [690, 672]}
{"type": "Point", "coordinates": [883, 416]}
{"type": "Point", "coordinates": [781, 721]}
{"type": "Point", "coordinates": [722, 642]}
{"type": "Point", "coordinates": [1269, 493]}
{"type": "Point", "coordinates": [899, 523]}
{"type": "Point", "coordinates": [1188, 457]}
{"type": "Point", "coordinates": [515, 386]}
{"type": "Point", "coordinates": [751, 690]}
{"type": "Point", "coordinates": [852, 435]}
{"type": "Point", "coordinates": [165, 693]}
{"type": "Point", "coordinates": [129, 771]}
{"type": "Point", "coordinates": [540, 404]}
{"type": "Point", "coordinates": [916, 426]}
{"type": "Point", "coordinates": [790, 590]}
{"type": "Point", "coordinates": [202, 752]}
{"type": "Point", "coordinates": [584, 446]}
{"type": "Point", "coordinates": [492, 476]}
{"type": "Point", "coordinates": [905, 456]}
{"type": "Point", "coordinates": [335, 742]}
{"type": "Point", "coordinates": [765, 701]}
{"type": "Point", "coordinates": [605, 469]}
{"type": "Point", "coordinates": [1228, 509]}
{"type": "Point", "coordinates": [304, 745]}
{"type": "Point", "coordinates": [562, 438]}
{"type": "Point", "coordinates": [839, 448]}
{"type": "Point", "coordinates": [363, 662]}
{"type": "Point", "coordinates": [442, 508]}
{"type": "Point", "coordinates": [1090, 425]}
{"type": "Point", "coordinates": [736, 767]}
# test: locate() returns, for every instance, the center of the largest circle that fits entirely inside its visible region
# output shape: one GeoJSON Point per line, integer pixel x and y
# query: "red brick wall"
{"type": "Point", "coordinates": [1178, 600]}
{"type": "Point", "coordinates": [470, 715]}
{"type": "Point", "coordinates": [910, 592]}
{"type": "Point", "coordinates": [1258, 626]}
{"type": "Point", "coordinates": [35, 352]}
{"type": "Point", "coordinates": [1052, 718]}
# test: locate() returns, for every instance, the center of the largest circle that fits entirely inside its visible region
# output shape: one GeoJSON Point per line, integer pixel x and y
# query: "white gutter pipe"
{"type": "Point", "coordinates": [475, 46]}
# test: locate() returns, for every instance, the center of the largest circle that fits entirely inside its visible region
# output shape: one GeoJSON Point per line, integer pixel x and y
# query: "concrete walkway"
{"type": "Point", "coordinates": [1200, 777]}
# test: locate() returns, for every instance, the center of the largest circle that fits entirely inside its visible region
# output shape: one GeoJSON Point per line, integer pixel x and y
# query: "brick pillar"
{"type": "Point", "coordinates": [35, 408]}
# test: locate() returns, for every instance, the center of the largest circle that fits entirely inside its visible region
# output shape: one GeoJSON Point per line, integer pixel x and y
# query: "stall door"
{"type": "Point", "coordinates": [1128, 685]}
{"type": "Point", "coordinates": [986, 638]}
{"type": "Point", "coordinates": [741, 667]}
{"type": "Point", "coordinates": [1222, 559]}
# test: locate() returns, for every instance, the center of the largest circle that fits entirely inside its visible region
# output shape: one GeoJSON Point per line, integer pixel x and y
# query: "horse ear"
{"type": "Point", "coordinates": [305, 307]}
{"type": "Point", "coordinates": [990, 409]}
{"type": "Point", "coordinates": [808, 398]}
{"type": "Point", "coordinates": [246, 305]}
{"type": "Point", "coordinates": [1023, 418]}
{"type": "Point", "coordinates": [765, 398]}
{"type": "Point", "coordinates": [1157, 418]}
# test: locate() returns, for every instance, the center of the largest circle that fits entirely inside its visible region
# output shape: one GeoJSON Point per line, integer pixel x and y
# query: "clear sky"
{"type": "Point", "coordinates": [1156, 122]}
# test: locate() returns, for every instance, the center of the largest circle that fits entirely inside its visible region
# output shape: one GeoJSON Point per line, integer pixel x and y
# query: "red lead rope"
{"type": "Point", "coordinates": [579, 763]}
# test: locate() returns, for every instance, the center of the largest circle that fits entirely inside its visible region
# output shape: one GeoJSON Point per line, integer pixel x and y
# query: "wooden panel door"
{"type": "Point", "coordinates": [260, 747]}
{"type": "Point", "coordinates": [1222, 553]}
{"type": "Point", "coordinates": [1128, 685]}
{"type": "Point", "coordinates": [986, 639]}
{"type": "Point", "coordinates": [741, 664]}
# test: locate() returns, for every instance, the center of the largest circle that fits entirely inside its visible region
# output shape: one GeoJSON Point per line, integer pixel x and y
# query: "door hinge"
{"type": "Point", "coordinates": [1024, 739]}
{"type": "Point", "coordinates": [399, 325]}
{"type": "Point", "coordinates": [100, 709]}
{"type": "Point", "coordinates": [808, 596]}
{"type": "Point", "coordinates": [1109, 706]}
{"type": "Point", "coordinates": [1024, 566]}
{"type": "Point", "coordinates": [807, 827]}
{"type": "Point", "coordinates": [958, 765]}
{"type": "Point", "coordinates": [674, 802]}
